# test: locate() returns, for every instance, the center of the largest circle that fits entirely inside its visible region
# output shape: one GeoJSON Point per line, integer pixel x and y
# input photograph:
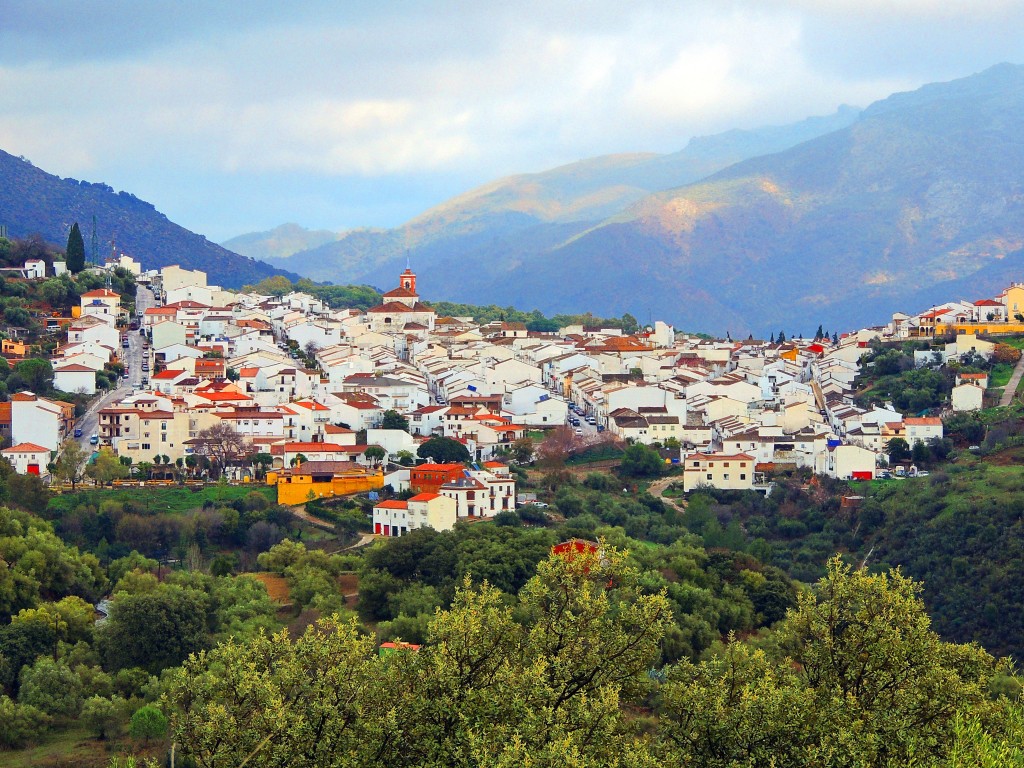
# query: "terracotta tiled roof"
{"type": "Point", "coordinates": [395, 503]}
{"type": "Point", "coordinates": [400, 293]}
{"type": "Point", "coordinates": [26, 448]}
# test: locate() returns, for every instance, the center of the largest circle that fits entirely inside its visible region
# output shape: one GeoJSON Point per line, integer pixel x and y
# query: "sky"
{"type": "Point", "coordinates": [234, 117]}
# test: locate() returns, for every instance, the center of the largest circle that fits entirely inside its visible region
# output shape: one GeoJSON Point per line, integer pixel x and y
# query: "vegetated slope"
{"type": "Point", "coordinates": [279, 242]}
{"type": "Point", "coordinates": [923, 191]}
{"type": "Point", "coordinates": [959, 531]}
{"type": "Point", "coordinates": [33, 201]}
{"type": "Point", "coordinates": [524, 216]}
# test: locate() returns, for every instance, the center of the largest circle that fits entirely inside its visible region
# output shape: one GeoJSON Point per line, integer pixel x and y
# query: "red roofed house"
{"type": "Point", "coordinates": [156, 315]}
{"type": "Point", "coordinates": [921, 430]}
{"type": "Point", "coordinates": [166, 380]}
{"type": "Point", "coordinates": [428, 478]}
{"type": "Point", "coordinates": [27, 458]}
{"type": "Point", "coordinates": [102, 303]}
{"type": "Point", "coordinates": [969, 392]}
{"type": "Point", "coordinates": [210, 368]}
{"type": "Point", "coordinates": [734, 472]}
{"type": "Point", "coordinates": [425, 510]}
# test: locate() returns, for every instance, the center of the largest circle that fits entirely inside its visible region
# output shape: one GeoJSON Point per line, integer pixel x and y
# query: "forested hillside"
{"type": "Point", "coordinates": [681, 640]}
{"type": "Point", "coordinates": [33, 202]}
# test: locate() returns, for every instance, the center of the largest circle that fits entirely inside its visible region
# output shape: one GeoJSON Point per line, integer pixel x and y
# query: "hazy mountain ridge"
{"type": "Point", "coordinates": [571, 199]}
{"type": "Point", "coordinates": [280, 242]}
{"type": "Point", "coordinates": [33, 201]}
{"type": "Point", "coordinates": [917, 199]}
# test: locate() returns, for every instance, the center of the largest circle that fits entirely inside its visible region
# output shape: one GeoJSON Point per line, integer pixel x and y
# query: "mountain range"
{"type": "Point", "coordinates": [838, 220]}
{"type": "Point", "coordinates": [35, 202]}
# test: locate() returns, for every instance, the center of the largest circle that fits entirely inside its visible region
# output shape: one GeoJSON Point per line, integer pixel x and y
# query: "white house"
{"type": "Point", "coordinates": [40, 421]}
{"type": "Point", "coordinates": [921, 430]}
{"type": "Point", "coordinates": [75, 377]}
{"type": "Point", "coordinates": [968, 396]}
{"type": "Point", "coordinates": [848, 462]}
{"type": "Point", "coordinates": [102, 303]}
{"type": "Point", "coordinates": [391, 440]}
{"type": "Point", "coordinates": [424, 510]}
{"type": "Point", "coordinates": [95, 329]}
{"type": "Point", "coordinates": [733, 472]}
{"type": "Point", "coordinates": [27, 458]}
{"type": "Point", "coordinates": [35, 269]}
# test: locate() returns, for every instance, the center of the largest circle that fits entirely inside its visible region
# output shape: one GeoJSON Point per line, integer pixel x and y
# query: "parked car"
{"type": "Point", "coordinates": [579, 431]}
{"type": "Point", "coordinates": [94, 440]}
{"type": "Point", "coordinates": [78, 432]}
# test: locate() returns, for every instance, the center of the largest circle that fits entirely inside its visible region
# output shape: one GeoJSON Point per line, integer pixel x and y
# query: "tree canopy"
{"type": "Point", "coordinates": [75, 252]}
{"type": "Point", "coordinates": [443, 450]}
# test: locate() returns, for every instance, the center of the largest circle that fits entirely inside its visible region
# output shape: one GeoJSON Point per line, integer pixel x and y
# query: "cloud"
{"type": "Point", "coordinates": [455, 91]}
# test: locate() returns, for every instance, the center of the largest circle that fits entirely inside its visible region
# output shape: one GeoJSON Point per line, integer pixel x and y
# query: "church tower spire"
{"type": "Point", "coordinates": [407, 279]}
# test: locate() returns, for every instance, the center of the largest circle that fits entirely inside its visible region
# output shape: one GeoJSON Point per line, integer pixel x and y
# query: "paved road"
{"type": "Point", "coordinates": [1011, 386]}
{"type": "Point", "coordinates": [133, 358]}
{"type": "Point", "coordinates": [89, 422]}
{"type": "Point", "coordinates": [589, 430]}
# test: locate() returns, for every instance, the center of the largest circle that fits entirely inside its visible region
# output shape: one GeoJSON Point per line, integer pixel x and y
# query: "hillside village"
{"type": "Point", "coordinates": [287, 390]}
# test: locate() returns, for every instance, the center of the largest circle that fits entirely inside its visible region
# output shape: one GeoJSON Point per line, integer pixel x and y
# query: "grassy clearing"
{"type": "Point", "coordinates": [1017, 342]}
{"type": "Point", "coordinates": [277, 586]}
{"type": "Point", "coordinates": [72, 748]}
{"type": "Point", "coordinates": [999, 376]}
{"type": "Point", "coordinates": [174, 500]}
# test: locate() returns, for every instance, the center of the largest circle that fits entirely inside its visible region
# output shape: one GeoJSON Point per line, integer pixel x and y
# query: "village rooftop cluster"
{"type": "Point", "coordinates": [729, 412]}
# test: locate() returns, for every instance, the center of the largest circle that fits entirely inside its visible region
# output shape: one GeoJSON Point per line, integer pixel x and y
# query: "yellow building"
{"type": "Point", "coordinates": [1014, 299]}
{"type": "Point", "coordinates": [974, 329]}
{"type": "Point", "coordinates": [323, 480]}
{"type": "Point", "coordinates": [733, 472]}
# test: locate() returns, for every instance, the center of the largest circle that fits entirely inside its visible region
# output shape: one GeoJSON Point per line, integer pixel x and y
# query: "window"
{"type": "Point", "coordinates": [145, 446]}
{"type": "Point", "coordinates": [743, 477]}
{"type": "Point", "coordinates": [726, 476]}
{"type": "Point", "coordinates": [709, 476]}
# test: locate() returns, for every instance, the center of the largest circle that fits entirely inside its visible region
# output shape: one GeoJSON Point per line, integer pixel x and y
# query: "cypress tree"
{"type": "Point", "coordinates": [75, 252]}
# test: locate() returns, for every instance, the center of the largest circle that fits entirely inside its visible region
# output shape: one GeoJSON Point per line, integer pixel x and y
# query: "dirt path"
{"type": "Point", "coordinates": [300, 512]}
{"type": "Point", "coordinates": [657, 490]}
{"type": "Point", "coordinates": [1011, 386]}
{"type": "Point", "coordinates": [366, 539]}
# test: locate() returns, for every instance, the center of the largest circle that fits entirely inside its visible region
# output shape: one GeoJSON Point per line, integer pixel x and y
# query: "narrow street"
{"type": "Point", "coordinates": [132, 358]}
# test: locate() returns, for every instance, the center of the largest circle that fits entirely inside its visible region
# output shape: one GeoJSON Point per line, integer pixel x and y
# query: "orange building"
{"type": "Point", "coordinates": [428, 478]}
